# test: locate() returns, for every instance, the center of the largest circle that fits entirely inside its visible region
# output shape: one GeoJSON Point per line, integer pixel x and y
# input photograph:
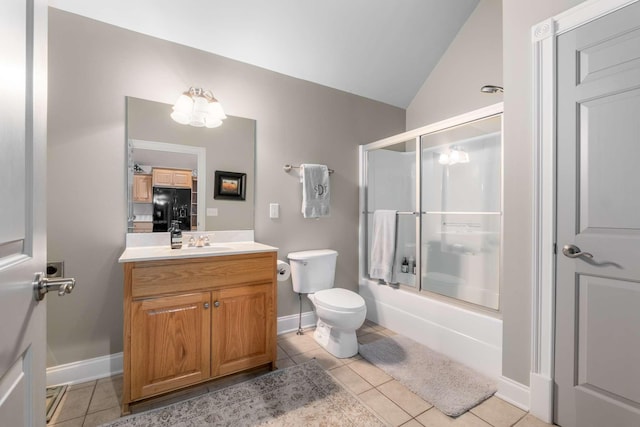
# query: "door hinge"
{"type": "Point", "coordinates": [555, 249]}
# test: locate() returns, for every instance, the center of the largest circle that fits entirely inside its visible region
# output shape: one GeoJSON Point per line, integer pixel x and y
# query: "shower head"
{"type": "Point", "coordinates": [491, 89]}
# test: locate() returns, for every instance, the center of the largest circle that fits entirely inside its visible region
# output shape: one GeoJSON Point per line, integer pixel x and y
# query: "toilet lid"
{"type": "Point", "coordinates": [339, 299]}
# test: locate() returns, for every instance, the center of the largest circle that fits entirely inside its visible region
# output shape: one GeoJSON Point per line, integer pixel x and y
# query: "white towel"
{"type": "Point", "coordinates": [315, 190]}
{"type": "Point", "coordinates": [383, 245]}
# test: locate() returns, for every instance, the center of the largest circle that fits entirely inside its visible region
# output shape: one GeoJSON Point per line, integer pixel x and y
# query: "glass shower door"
{"type": "Point", "coordinates": [391, 186]}
{"type": "Point", "coordinates": [462, 211]}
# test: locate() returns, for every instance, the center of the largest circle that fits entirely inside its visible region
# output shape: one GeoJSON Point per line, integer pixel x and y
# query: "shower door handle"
{"type": "Point", "coordinates": [572, 251]}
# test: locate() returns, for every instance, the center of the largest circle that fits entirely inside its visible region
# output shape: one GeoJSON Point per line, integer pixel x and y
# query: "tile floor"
{"type": "Point", "coordinates": [95, 402]}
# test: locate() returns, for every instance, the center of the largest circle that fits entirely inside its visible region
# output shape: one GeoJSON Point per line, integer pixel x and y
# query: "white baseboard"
{"type": "Point", "coordinates": [290, 323]}
{"type": "Point", "coordinates": [513, 392]}
{"type": "Point", "coordinates": [85, 370]}
{"type": "Point", "coordinates": [541, 397]}
{"type": "Point", "coordinates": [106, 366]}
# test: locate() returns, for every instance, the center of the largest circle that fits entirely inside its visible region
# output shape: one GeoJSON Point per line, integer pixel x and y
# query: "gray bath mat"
{"type": "Point", "coordinates": [450, 386]}
{"type": "Point", "coordinates": [302, 395]}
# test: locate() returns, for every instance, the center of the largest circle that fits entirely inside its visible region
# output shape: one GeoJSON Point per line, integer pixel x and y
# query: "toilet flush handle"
{"type": "Point", "coordinates": [300, 261]}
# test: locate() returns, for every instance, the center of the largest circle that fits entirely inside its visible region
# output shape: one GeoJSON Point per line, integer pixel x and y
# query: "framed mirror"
{"type": "Point", "coordinates": [171, 171]}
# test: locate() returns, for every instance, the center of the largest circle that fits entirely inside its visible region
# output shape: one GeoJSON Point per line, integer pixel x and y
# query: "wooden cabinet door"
{"type": "Point", "coordinates": [243, 328]}
{"type": "Point", "coordinates": [182, 178]}
{"type": "Point", "coordinates": [143, 227]}
{"type": "Point", "coordinates": [162, 177]}
{"type": "Point", "coordinates": [170, 343]}
{"type": "Point", "coordinates": [142, 189]}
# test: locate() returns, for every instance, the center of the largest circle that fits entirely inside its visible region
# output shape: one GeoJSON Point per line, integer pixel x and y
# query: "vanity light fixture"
{"type": "Point", "coordinates": [197, 107]}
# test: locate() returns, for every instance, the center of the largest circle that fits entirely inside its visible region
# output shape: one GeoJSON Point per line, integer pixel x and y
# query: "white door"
{"type": "Point", "coordinates": [23, 110]}
{"type": "Point", "coordinates": [597, 342]}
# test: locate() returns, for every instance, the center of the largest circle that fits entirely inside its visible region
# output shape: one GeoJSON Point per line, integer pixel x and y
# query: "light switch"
{"type": "Point", "coordinates": [274, 210]}
{"type": "Point", "coordinates": [212, 211]}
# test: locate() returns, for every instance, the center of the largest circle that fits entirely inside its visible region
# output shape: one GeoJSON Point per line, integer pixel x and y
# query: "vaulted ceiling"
{"type": "Point", "coordinates": [379, 49]}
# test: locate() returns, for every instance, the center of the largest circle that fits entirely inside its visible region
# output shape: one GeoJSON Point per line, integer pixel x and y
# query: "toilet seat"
{"type": "Point", "coordinates": [339, 299]}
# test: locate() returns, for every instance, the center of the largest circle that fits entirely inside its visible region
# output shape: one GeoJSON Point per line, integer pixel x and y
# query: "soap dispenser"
{"type": "Point", "coordinates": [176, 235]}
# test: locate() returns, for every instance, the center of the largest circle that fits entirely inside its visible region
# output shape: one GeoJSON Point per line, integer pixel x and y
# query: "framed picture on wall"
{"type": "Point", "coordinates": [229, 185]}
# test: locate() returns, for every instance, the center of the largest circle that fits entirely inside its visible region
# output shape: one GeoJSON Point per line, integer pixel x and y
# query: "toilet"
{"type": "Point", "coordinates": [339, 311]}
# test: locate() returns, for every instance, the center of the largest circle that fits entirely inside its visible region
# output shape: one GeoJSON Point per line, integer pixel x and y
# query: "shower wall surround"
{"type": "Point", "coordinates": [445, 181]}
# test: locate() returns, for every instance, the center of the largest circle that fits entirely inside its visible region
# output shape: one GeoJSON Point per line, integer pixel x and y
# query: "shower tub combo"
{"type": "Point", "coordinates": [445, 183]}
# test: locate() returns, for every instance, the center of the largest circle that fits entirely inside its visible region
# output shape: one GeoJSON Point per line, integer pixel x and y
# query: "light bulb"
{"type": "Point", "coordinates": [212, 122]}
{"type": "Point", "coordinates": [464, 156]}
{"type": "Point", "coordinates": [454, 157]}
{"type": "Point", "coordinates": [200, 105]}
{"type": "Point", "coordinates": [182, 109]}
{"type": "Point", "coordinates": [215, 109]}
{"type": "Point", "coordinates": [444, 159]}
{"type": "Point", "coordinates": [180, 117]}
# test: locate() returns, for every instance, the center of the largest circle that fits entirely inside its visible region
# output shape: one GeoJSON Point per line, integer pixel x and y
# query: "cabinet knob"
{"type": "Point", "coordinates": [206, 305]}
{"type": "Point", "coordinates": [216, 304]}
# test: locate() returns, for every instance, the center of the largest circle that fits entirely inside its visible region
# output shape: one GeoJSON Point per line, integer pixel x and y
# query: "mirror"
{"type": "Point", "coordinates": [166, 158]}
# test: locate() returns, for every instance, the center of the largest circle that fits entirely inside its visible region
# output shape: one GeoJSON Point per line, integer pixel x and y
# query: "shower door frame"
{"type": "Point", "coordinates": [416, 135]}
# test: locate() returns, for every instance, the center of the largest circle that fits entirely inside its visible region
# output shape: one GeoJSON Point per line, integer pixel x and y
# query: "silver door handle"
{"type": "Point", "coordinates": [42, 285]}
{"type": "Point", "coordinates": [572, 251]}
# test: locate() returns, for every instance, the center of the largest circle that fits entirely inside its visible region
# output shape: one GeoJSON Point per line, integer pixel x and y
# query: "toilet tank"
{"type": "Point", "coordinates": [312, 271]}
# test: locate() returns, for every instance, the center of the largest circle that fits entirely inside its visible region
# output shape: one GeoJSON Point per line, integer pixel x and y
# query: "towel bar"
{"type": "Point", "coordinates": [287, 168]}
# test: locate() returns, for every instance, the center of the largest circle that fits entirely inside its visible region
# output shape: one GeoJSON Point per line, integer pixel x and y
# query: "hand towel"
{"type": "Point", "coordinates": [315, 190]}
{"type": "Point", "coordinates": [383, 245]}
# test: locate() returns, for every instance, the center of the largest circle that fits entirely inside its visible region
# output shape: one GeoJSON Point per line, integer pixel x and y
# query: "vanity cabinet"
{"type": "Point", "coordinates": [177, 178]}
{"type": "Point", "coordinates": [191, 320]}
{"type": "Point", "coordinates": [142, 192]}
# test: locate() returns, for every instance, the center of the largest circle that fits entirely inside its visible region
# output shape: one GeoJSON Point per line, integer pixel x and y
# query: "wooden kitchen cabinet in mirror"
{"type": "Point", "coordinates": [142, 188]}
{"type": "Point", "coordinates": [175, 178]}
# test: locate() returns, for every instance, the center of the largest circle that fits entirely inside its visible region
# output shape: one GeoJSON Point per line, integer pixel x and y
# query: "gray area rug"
{"type": "Point", "coordinates": [302, 395]}
{"type": "Point", "coordinates": [450, 386]}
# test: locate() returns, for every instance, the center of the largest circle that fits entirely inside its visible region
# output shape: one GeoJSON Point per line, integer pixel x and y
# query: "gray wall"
{"type": "Point", "coordinates": [473, 59]}
{"type": "Point", "coordinates": [519, 16]}
{"type": "Point", "coordinates": [92, 67]}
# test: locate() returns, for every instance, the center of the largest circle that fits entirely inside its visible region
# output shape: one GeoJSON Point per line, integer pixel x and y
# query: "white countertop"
{"type": "Point", "coordinates": [155, 246]}
{"type": "Point", "coordinates": [153, 253]}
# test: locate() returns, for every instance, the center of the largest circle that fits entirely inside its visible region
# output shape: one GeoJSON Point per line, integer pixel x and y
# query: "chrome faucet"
{"type": "Point", "coordinates": [202, 241]}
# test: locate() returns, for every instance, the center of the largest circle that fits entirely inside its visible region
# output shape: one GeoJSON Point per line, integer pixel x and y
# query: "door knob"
{"type": "Point", "coordinates": [216, 304]}
{"type": "Point", "coordinates": [42, 285]}
{"type": "Point", "coordinates": [572, 251]}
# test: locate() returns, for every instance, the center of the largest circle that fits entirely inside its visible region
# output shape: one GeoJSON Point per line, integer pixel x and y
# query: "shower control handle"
{"type": "Point", "coordinates": [572, 251]}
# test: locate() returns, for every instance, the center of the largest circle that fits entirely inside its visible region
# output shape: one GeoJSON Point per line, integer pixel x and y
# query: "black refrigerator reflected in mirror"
{"type": "Point", "coordinates": [171, 204]}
